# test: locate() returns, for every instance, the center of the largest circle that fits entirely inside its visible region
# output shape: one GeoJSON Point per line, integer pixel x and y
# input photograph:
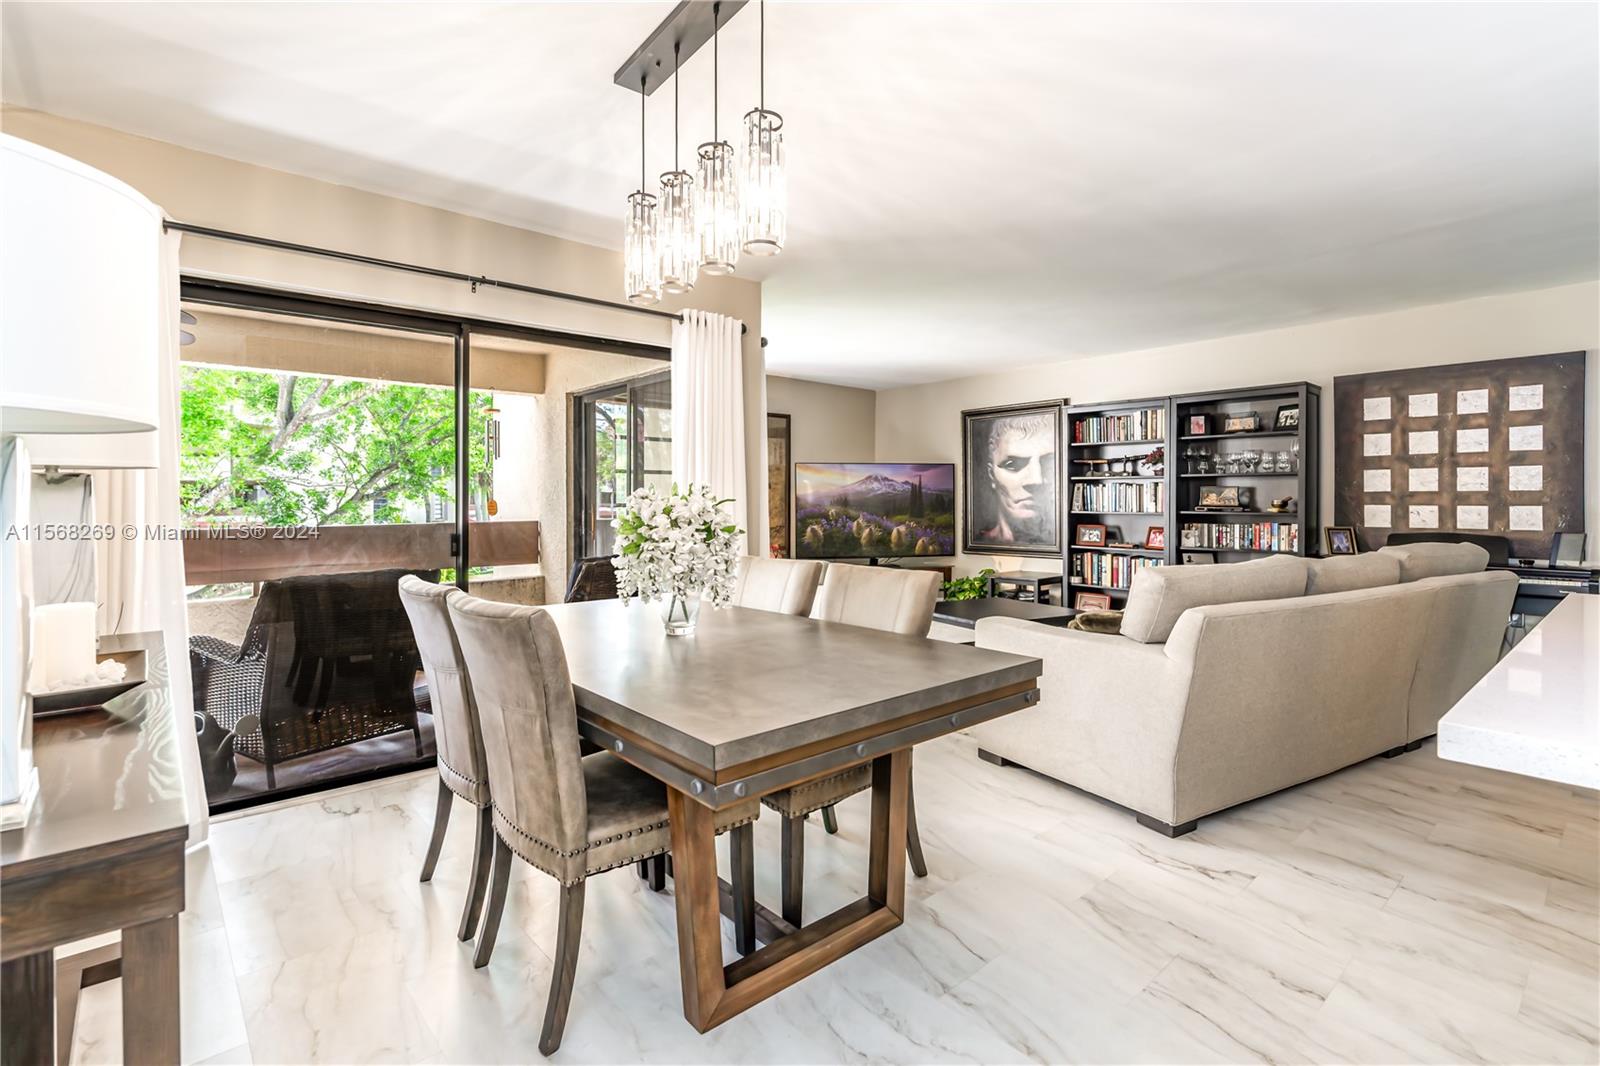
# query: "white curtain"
{"type": "Point", "coordinates": [129, 592]}
{"type": "Point", "coordinates": [161, 564]}
{"type": "Point", "coordinates": [708, 408]}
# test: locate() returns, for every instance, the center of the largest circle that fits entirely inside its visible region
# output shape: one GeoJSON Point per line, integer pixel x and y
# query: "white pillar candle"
{"type": "Point", "coordinates": [63, 644]}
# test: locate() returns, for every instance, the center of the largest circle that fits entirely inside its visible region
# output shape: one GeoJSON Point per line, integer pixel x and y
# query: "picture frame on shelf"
{"type": "Point", "coordinates": [1288, 417]}
{"type": "Point", "coordinates": [1156, 539]}
{"type": "Point", "coordinates": [1089, 535]}
{"type": "Point", "coordinates": [1340, 540]}
{"type": "Point", "coordinates": [1092, 601]}
{"type": "Point", "coordinates": [1220, 498]}
{"type": "Point", "coordinates": [1012, 480]}
{"type": "Point", "coordinates": [1198, 558]}
{"type": "Point", "coordinates": [1199, 425]}
{"type": "Point", "coordinates": [1245, 422]}
{"type": "Point", "coordinates": [1188, 537]}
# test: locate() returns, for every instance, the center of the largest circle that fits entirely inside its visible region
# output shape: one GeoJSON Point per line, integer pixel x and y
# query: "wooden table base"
{"type": "Point", "coordinates": [713, 992]}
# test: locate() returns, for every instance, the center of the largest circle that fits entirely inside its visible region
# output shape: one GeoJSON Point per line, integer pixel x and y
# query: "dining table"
{"type": "Point", "coordinates": [756, 701]}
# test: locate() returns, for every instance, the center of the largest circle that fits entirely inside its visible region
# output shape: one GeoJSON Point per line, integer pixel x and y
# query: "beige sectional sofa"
{"type": "Point", "coordinates": [1233, 681]}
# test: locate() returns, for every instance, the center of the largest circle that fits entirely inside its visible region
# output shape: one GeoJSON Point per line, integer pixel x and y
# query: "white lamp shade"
{"type": "Point", "coordinates": [95, 451]}
{"type": "Point", "coordinates": [80, 280]}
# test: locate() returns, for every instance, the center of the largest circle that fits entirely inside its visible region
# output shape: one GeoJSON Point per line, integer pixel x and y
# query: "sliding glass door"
{"type": "Point", "coordinates": [622, 440]}
{"type": "Point", "coordinates": [318, 463]}
{"type": "Point", "coordinates": [328, 447]}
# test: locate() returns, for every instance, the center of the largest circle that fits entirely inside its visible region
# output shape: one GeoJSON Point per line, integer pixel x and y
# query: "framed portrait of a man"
{"type": "Point", "coordinates": [1011, 458]}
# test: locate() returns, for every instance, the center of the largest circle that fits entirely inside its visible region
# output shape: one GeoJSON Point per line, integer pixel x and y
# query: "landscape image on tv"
{"type": "Point", "coordinates": [874, 510]}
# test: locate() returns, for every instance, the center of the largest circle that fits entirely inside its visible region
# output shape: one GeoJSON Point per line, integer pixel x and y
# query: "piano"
{"type": "Point", "coordinates": [1540, 580]}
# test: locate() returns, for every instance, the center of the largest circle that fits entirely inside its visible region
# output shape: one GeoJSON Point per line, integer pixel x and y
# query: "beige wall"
{"type": "Point", "coordinates": [209, 190]}
{"type": "Point", "coordinates": [828, 423]}
{"type": "Point", "coordinates": [923, 422]}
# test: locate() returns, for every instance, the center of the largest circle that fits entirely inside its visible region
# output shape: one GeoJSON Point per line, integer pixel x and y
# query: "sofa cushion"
{"type": "Point", "coordinates": [1418, 561]}
{"type": "Point", "coordinates": [1346, 573]}
{"type": "Point", "coordinates": [1160, 594]}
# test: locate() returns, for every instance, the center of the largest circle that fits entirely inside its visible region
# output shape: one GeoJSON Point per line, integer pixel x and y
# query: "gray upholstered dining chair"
{"type": "Point", "coordinates": [567, 815]}
{"type": "Point", "coordinates": [785, 586]}
{"type": "Point", "coordinates": [887, 598]}
{"type": "Point", "coordinates": [457, 737]}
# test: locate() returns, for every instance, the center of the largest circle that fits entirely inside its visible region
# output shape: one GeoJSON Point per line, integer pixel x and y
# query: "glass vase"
{"type": "Point", "coordinates": [679, 614]}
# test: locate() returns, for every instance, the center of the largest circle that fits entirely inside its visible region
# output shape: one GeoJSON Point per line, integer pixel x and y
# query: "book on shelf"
{"type": "Point", "coordinates": [1147, 425]}
{"type": "Point", "coordinates": [1111, 571]}
{"type": "Point", "coordinates": [1120, 497]}
{"type": "Point", "coordinates": [1252, 537]}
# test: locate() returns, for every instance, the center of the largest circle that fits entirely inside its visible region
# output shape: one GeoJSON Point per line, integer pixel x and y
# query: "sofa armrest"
{"type": "Point", "coordinates": [1101, 653]}
{"type": "Point", "coordinates": [1109, 712]}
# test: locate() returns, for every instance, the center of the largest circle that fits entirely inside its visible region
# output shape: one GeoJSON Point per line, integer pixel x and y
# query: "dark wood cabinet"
{"type": "Point", "coordinates": [102, 851]}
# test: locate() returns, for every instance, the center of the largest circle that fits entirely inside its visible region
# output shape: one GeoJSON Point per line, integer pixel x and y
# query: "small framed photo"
{"type": "Point", "coordinates": [1092, 601]}
{"type": "Point", "coordinates": [1340, 540]}
{"type": "Point", "coordinates": [1188, 537]}
{"type": "Point", "coordinates": [1089, 535]}
{"type": "Point", "coordinates": [1198, 558]}
{"type": "Point", "coordinates": [1248, 422]}
{"type": "Point", "coordinates": [1288, 417]}
{"type": "Point", "coordinates": [1219, 497]}
{"type": "Point", "coordinates": [1156, 539]}
{"type": "Point", "coordinates": [1199, 425]}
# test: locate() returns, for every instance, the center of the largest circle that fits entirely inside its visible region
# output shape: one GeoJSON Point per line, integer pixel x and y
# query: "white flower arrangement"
{"type": "Point", "coordinates": [676, 544]}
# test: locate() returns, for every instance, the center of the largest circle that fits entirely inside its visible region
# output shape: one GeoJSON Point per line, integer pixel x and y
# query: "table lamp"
{"type": "Point", "coordinates": [80, 344]}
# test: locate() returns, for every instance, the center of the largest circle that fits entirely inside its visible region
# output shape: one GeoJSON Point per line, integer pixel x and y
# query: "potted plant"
{"type": "Point", "coordinates": [975, 587]}
{"type": "Point", "coordinates": [677, 548]}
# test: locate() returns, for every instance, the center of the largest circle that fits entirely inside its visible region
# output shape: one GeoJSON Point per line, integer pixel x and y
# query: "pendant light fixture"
{"type": "Point", "coordinates": [641, 254]}
{"type": "Point", "coordinates": [680, 240]}
{"type": "Point", "coordinates": [718, 210]}
{"type": "Point", "coordinates": [764, 190]}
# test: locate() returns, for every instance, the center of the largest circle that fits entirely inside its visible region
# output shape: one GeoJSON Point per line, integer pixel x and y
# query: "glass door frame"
{"type": "Point", "coordinates": [460, 328]}
{"type": "Point", "coordinates": [582, 450]}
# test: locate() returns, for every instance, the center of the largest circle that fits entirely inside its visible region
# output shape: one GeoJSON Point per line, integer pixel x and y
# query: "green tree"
{"type": "Point", "coordinates": [292, 449]}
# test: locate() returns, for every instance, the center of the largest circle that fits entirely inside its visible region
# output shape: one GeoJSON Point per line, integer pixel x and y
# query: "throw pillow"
{"type": "Point", "coordinates": [1107, 622]}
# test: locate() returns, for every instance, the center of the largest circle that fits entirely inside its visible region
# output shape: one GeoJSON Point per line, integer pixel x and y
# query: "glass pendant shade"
{"type": "Point", "coordinates": [763, 188]}
{"type": "Point", "coordinates": [680, 240]}
{"type": "Point", "coordinates": [718, 210]}
{"type": "Point", "coordinates": [641, 254]}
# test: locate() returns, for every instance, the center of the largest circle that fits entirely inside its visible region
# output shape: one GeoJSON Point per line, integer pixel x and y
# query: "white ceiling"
{"type": "Point", "coordinates": [973, 186]}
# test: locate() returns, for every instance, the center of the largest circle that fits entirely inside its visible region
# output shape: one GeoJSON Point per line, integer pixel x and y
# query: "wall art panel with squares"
{"type": "Point", "coordinates": [1492, 447]}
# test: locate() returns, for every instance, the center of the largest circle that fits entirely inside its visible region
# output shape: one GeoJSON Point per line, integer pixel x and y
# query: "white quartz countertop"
{"type": "Point", "coordinates": [1538, 711]}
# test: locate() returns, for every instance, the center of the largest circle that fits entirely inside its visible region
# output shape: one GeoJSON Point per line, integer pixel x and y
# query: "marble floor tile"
{"type": "Point", "coordinates": [212, 1020]}
{"type": "Point", "coordinates": [1404, 910]}
{"type": "Point", "coordinates": [339, 1005]}
{"type": "Point", "coordinates": [1564, 1002]}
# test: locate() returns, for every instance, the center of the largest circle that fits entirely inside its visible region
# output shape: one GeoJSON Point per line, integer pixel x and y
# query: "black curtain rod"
{"type": "Point", "coordinates": [413, 268]}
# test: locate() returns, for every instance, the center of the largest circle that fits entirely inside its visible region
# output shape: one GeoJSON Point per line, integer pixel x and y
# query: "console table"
{"type": "Point", "coordinates": [1037, 580]}
{"type": "Point", "coordinates": [103, 851]}
{"type": "Point", "coordinates": [955, 620]}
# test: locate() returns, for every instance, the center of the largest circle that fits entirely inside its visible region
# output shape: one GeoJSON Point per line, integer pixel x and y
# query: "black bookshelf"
{"type": "Point", "coordinates": [1124, 431]}
{"type": "Point", "coordinates": [1255, 530]}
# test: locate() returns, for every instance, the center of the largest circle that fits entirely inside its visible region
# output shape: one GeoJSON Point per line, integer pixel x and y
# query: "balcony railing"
{"type": "Point", "coordinates": [225, 555]}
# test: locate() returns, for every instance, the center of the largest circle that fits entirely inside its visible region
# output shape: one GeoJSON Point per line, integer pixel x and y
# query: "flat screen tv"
{"type": "Point", "coordinates": [874, 510]}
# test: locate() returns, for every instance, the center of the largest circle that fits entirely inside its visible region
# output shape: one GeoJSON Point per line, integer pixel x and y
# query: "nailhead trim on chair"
{"type": "Point", "coordinates": [540, 865]}
{"type": "Point", "coordinates": [819, 783]}
{"type": "Point", "coordinates": [470, 780]}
